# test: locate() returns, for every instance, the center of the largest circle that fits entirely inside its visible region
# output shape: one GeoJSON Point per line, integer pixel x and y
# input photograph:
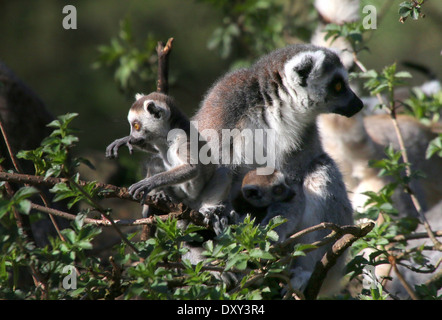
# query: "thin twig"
{"type": "Point", "coordinates": [19, 169]}
{"type": "Point", "coordinates": [105, 214]}
{"type": "Point", "coordinates": [104, 222]}
{"type": "Point", "coordinates": [163, 52]}
{"type": "Point", "coordinates": [401, 278]}
{"type": "Point", "coordinates": [392, 111]}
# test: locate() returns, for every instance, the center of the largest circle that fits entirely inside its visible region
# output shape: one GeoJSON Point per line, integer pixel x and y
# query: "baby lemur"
{"type": "Point", "coordinates": [267, 196]}
{"type": "Point", "coordinates": [159, 127]}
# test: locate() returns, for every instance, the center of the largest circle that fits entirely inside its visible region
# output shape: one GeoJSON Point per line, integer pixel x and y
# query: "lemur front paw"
{"type": "Point", "coordinates": [144, 186]}
{"type": "Point", "coordinates": [215, 216]}
{"type": "Point", "coordinates": [112, 149]}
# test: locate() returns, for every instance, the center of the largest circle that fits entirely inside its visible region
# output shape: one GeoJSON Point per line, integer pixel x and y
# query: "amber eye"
{"type": "Point", "coordinates": [338, 86]}
{"type": "Point", "coordinates": [137, 126]}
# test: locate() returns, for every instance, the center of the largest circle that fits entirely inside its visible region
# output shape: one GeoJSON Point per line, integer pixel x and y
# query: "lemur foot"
{"type": "Point", "coordinates": [161, 196]}
{"type": "Point", "coordinates": [216, 217]}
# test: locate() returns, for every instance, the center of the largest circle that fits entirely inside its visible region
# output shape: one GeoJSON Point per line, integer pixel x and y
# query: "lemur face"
{"type": "Point", "coordinates": [320, 82]}
{"type": "Point", "coordinates": [149, 120]}
{"type": "Point", "coordinates": [263, 190]}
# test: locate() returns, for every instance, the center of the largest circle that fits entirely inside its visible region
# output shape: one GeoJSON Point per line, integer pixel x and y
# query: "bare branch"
{"type": "Point", "coordinates": [111, 191]}
{"type": "Point", "coordinates": [329, 259]}
{"type": "Point", "coordinates": [163, 52]}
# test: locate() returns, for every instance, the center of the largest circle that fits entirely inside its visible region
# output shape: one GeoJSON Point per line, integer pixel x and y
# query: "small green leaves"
{"type": "Point", "coordinates": [434, 147]}
{"type": "Point", "coordinates": [351, 31]}
{"type": "Point", "coordinates": [424, 107]}
{"type": "Point", "coordinates": [51, 159]}
{"type": "Point", "coordinates": [387, 80]}
{"type": "Point", "coordinates": [411, 9]}
{"type": "Point", "coordinates": [258, 26]}
{"type": "Point", "coordinates": [18, 202]}
{"type": "Point", "coordinates": [132, 62]}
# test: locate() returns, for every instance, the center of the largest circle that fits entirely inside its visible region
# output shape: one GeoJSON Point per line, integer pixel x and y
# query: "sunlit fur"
{"type": "Point", "coordinates": [285, 91]}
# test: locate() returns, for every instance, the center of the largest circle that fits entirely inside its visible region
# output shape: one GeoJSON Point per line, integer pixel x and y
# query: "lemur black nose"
{"type": "Point", "coordinates": [355, 105]}
{"type": "Point", "coordinates": [251, 192]}
{"type": "Point", "coordinates": [351, 108]}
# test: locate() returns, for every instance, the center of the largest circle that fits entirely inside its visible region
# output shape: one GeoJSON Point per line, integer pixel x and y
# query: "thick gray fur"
{"type": "Point", "coordinates": [286, 91]}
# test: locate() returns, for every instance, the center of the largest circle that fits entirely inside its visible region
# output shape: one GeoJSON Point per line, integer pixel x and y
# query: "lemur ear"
{"type": "Point", "coordinates": [138, 96]}
{"type": "Point", "coordinates": [153, 109]}
{"type": "Point", "coordinates": [303, 69]}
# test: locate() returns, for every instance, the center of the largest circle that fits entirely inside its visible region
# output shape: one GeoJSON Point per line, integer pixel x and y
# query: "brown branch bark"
{"type": "Point", "coordinates": [329, 259]}
{"type": "Point", "coordinates": [109, 191]}
{"type": "Point", "coordinates": [104, 222]}
{"type": "Point", "coordinates": [163, 52]}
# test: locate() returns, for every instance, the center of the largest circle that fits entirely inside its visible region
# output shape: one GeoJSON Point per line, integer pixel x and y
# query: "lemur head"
{"type": "Point", "coordinates": [151, 117]}
{"type": "Point", "coordinates": [318, 82]}
{"type": "Point", "coordinates": [263, 190]}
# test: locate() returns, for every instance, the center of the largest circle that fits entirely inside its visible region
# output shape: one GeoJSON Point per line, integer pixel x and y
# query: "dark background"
{"type": "Point", "coordinates": [57, 63]}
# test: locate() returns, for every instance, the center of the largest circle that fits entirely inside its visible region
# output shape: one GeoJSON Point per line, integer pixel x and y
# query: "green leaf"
{"type": "Point", "coordinates": [239, 261]}
{"type": "Point", "coordinates": [260, 254]}
{"type": "Point", "coordinates": [24, 193]}
{"type": "Point", "coordinates": [24, 206]}
{"type": "Point", "coordinates": [403, 74]}
{"type": "Point", "coordinates": [434, 147]}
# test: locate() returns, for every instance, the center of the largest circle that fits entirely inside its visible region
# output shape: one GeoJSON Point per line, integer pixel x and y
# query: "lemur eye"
{"type": "Point", "coordinates": [338, 86]}
{"type": "Point", "coordinates": [137, 126]}
{"type": "Point", "coordinates": [278, 190]}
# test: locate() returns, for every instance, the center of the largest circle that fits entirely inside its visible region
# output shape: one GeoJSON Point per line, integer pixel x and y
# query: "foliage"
{"type": "Point", "coordinates": [52, 157]}
{"type": "Point", "coordinates": [156, 271]}
{"type": "Point", "coordinates": [426, 108]}
{"type": "Point", "coordinates": [386, 81]}
{"type": "Point", "coordinates": [381, 242]}
{"type": "Point", "coordinates": [132, 62]}
{"type": "Point", "coordinates": [351, 31]}
{"type": "Point", "coordinates": [274, 22]}
{"type": "Point", "coordinates": [411, 9]}
{"type": "Point", "coordinates": [435, 147]}
{"type": "Point", "coordinates": [158, 268]}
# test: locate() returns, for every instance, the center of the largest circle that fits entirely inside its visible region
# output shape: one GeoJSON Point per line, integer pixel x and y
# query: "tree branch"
{"type": "Point", "coordinates": [329, 259]}
{"type": "Point", "coordinates": [110, 191]}
{"type": "Point", "coordinates": [163, 52]}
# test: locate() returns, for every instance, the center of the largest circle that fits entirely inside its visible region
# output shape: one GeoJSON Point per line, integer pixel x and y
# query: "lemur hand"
{"type": "Point", "coordinates": [144, 186]}
{"type": "Point", "coordinates": [112, 149]}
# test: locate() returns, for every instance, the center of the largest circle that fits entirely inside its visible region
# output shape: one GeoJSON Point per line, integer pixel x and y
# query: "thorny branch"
{"type": "Point", "coordinates": [106, 191]}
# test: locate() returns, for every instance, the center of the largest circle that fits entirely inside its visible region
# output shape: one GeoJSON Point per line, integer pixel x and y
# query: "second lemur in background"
{"type": "Point", "coordinates": [267, 196]}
